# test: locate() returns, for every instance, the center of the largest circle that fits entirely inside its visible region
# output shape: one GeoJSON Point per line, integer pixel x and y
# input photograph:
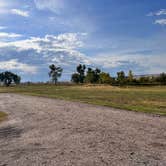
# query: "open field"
{"type": "Point", "coordinates": [142, 99]}
{"type": "Point", "coordinates": [49, 132]}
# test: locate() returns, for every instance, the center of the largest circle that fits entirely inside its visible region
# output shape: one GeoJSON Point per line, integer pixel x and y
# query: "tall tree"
{"type": "Point", "coordinates": [97, 75]}
{"type": "Point", "coordinates": [130, 76]}
{"type": "Point", "coordinates": [121, 78]}
{"type": "Point", "coordinates": [55, 73]}
{"type": "Point", "coordinates": [81, 71]}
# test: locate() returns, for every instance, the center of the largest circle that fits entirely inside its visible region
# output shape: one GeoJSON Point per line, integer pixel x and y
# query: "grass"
{"type": "Point", "coordinates": [2, 116]}
{"type": "Point", "coordinates": [141, 99]}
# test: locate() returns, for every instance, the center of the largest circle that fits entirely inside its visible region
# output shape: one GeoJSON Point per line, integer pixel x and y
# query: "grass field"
{"type": "Point", "coordinates": [142, 99]}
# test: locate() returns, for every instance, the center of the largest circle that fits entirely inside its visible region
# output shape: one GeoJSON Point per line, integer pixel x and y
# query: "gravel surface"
{"type": "Point", "coordinates": [41, 131]}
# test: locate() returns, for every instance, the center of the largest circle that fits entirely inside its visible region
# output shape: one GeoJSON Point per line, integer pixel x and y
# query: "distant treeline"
{"type": "Point", "coordinates": [84, 75]}
{"type": "Point", "coordinates": [96, 76]}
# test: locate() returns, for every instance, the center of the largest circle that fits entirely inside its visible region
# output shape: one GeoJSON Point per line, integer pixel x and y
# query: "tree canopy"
{"type": "Point", "coordinates": [55, 73]}
{"type": "Point", "coordinates": [92, 76]}
{"type": "Point", "coordinates": [79, 77]}
{"type": "Point", "coordinates": [8, 77]}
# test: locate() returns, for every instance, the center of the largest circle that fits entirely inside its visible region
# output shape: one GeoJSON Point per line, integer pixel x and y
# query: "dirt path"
{"type": "Point", "coordinates": [50, 132]}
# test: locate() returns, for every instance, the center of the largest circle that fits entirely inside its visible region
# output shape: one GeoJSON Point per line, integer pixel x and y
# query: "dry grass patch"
{"type": "Point", "coordinates": [142, 99]}
{"type": "Point", "coordinates": [3, 116]}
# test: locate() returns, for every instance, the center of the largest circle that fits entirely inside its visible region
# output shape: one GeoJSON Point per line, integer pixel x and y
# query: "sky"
{"type": "Point", "coordinates": [112, 35]}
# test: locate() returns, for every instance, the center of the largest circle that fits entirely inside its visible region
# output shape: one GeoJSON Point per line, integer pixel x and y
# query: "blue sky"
{"type": "Point", "coordinates": [113, 35]}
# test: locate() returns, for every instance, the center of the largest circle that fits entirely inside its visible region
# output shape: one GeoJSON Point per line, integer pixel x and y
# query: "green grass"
{"type": "Point", "coordinates": [2, 116]}
{"type": "Point", "coordinates": [142, 99]}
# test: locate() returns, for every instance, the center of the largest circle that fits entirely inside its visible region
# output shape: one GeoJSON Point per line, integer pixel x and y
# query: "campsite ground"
{"type": "Point", "coordinates": [42, 131]}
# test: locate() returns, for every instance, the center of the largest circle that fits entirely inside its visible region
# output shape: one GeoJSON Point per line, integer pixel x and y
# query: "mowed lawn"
{"type": "Point", "coordinates": [142, 99]}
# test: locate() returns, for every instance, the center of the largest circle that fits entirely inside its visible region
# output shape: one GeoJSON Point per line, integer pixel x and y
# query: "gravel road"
{"type": "Point", "coordinates": [48, 132]}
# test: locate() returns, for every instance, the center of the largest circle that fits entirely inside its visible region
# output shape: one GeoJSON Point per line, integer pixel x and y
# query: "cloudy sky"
{"type": "Point", "coordinates": [110, 34]}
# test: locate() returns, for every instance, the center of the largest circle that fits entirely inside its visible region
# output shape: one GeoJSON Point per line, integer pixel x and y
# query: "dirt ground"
{"type": "Point", "coordinates": [50, 132]}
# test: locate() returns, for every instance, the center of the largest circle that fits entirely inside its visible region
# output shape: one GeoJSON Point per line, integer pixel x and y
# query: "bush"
{"type": "Point", "coordinates": [105, 78]}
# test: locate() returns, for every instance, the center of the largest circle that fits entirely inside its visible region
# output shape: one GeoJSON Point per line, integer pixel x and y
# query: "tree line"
{"type": "Point", "coordinates": [96, 76]}
{"type": "Point", "coordinates": [91, 76]}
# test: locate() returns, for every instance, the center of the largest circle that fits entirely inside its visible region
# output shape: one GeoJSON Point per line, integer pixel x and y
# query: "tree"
{"type": "Point", "coordinates": [81, 71]}
{"type": "Point", "coordinates": [92, 76]}
{"type": "Point", "coordinates": [162, 78]}
{"type": "Point", "coordinates": [144, 79]}
{"type": "Point", "coordinates": [97, 75]}
{"type": "Point", "coordinates": [130, 76]}
{"type": "Point", "coordinates": [8, 77]}
{"type": "Point", "coordinates": [75, 78]}
{"type": "Point", "coordinates": [105, 78]}
{"type": "Point", "coordinates": [55, 73]}
{"type": "Point", "coordinates": [121, 78]}
{"type": "Point", "coordinates": [16, 79]}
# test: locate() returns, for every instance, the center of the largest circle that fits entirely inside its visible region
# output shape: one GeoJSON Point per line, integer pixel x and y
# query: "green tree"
{"type": "Point", "coordinates": [130, 76]}
{"type": "Point", "coordinates": [75, 78]}
{"type": "Point", "coordinates": [55, 73]}
{"type": "Point", "coordinates": [104, 78]}
{"type": "Point", "coordinates": [92, 76]}
{"type": "Point", "coordinates": [97, 75]}
{"type": "Point", "coordinates": [144, 79]}
{"type": "Point", "coordinates": [162, 78]}
{"type": "Point", "coordinates": [16, 79]}
{"type": "Point", "coordinates": [8, 77]}
{"type": "Point", "coordinates": [81, 71]}
{"type": "Point", "coordinates": [121, 78]}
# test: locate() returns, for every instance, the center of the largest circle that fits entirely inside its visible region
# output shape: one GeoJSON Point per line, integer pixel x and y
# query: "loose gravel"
{"type": "Point", "coordinates": [48, 132]}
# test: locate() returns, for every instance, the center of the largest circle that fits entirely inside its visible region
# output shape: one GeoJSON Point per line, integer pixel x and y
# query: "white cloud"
{"type": "Point", "coordinates": [158, 13]}
{"type": "Point", "coordinates": [161, 12]}
{"type": "Point", "coordinates": [14, 64]}
{"type": "Point", "coordinates": [20, 12]}
{"type": "Point", "coordinates": [108, 61]}
{"type": "Point", "coordinates": [9, 35]}
{"type": "Point", "coordinates": [161, 21]}
{"type": "Point", "coordinates": [2, 27]}
{"type": "Point", "coordinates": [62, 42]}
{"type": "Point", "coordinates": [52, 5]}
{"type": "Point", "coordinates": [141, 64]}
{"type": "Point", "coordinates": [62, 50]}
